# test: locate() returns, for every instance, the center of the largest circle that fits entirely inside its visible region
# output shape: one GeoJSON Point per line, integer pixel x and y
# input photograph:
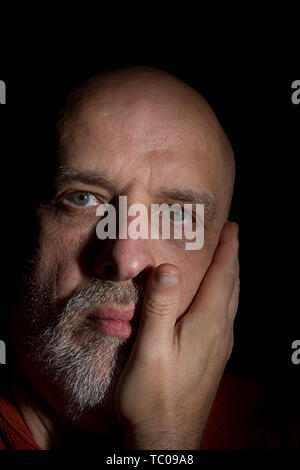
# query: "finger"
{"type": "Point", "coordinates": [218, 283]}
{"type": "Point", "coordinates": [160, 309]}
{"type": "Point", "coordinates": [234, 301]}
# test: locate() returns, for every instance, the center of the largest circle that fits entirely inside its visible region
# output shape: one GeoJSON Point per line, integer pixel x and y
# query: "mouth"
{"type": "Point", "coordinates": [114, 320]}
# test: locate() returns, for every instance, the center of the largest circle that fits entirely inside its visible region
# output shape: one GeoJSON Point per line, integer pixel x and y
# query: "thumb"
{"type": "Point", "coordinates": [160, 308]}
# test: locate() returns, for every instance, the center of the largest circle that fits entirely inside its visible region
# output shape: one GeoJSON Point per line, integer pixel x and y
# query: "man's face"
{"type": "Point", "coordinates": [151, 152]}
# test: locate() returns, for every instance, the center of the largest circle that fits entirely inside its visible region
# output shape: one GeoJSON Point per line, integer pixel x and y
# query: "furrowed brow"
{"type": "Point", "coordinates": [69, 175]}
{"type": "Point", "coordinates": [193, 197]}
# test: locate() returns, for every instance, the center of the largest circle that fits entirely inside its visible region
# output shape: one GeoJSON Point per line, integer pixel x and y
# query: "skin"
{"type": "Point", "coordinates": [145, 130]}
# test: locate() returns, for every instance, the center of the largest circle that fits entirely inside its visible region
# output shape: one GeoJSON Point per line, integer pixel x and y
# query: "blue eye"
{"type": "Point", "coordinates": [83, 198]}
{"type": "Point", "coordinates": [181, 216]}
{"type": "Point", "coordinates": [177, 215]}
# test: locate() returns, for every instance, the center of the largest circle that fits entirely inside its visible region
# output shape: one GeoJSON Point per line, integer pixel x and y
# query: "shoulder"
{"type": "Point", "coordinates": [14, 434]}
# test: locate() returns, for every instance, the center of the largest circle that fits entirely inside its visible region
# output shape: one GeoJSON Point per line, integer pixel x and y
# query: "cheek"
{"type": "Point", "coordinates": [58, 257]}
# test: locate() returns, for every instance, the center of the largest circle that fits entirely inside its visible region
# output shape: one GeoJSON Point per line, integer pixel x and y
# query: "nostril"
{"type": "Point", "coordinates": [110, 271]}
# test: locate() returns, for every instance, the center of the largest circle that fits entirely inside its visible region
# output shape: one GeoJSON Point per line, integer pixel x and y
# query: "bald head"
{"type": "Point", "coordinates": [152, 107]}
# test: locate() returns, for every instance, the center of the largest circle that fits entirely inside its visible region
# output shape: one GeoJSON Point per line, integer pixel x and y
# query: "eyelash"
{"type": "Point", "coordinates": [63, 197]}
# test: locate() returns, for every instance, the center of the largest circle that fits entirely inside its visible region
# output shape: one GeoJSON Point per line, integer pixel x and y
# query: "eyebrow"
{"type": "Point", "coordinates": [193, 197]}
{"type": "Point", "coordinates": [69, 175]}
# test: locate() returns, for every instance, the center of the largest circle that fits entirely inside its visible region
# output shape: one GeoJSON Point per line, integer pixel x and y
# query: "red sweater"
{"type": "Point", "coordinates": [240, 419]}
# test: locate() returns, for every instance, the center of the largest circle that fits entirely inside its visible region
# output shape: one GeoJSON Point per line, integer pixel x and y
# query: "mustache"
{"type": "Point", "coordinates": [99, 292]}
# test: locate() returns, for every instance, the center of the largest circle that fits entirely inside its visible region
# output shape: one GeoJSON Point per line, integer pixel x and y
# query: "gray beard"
{"type": "Point", "coordinates": [83, 363]}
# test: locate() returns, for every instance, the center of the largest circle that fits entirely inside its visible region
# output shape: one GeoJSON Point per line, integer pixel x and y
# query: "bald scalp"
{"type": "Point", "coordinates": [146, 87]}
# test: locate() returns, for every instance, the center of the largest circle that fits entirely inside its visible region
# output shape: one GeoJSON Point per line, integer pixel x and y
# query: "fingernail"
{"type": "Point", "coordinates": [166, 279]}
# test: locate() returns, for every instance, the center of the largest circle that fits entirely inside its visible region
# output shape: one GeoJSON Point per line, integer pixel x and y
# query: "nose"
{"type": "Point", "coordinates": [124, 259]}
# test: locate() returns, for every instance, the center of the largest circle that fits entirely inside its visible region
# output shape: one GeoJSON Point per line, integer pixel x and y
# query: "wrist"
{"type": "Point", "coordinates": [167, 439]}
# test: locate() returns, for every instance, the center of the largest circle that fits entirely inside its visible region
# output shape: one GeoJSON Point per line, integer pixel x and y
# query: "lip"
{"type": "Point", "coordinates": [113, 320]}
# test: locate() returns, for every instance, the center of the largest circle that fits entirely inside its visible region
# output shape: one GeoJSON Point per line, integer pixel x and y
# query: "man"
{"type": "Point", "coordinates": [123, 342]}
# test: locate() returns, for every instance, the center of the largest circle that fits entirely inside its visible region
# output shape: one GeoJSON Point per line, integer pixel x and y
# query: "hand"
{"type": "Point", "coordinates": [168, 385]}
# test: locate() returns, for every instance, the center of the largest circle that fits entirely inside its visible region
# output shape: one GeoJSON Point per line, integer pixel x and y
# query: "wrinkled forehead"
{"type": "Point", "coordinates": [134, 136]}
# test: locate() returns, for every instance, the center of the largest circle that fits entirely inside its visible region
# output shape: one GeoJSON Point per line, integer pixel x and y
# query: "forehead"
{"type": "Point", "coordinates": [144, 140]}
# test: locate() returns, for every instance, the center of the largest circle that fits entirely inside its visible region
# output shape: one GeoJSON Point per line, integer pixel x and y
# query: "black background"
{"type": "Point", "coordinates": [252, 102]}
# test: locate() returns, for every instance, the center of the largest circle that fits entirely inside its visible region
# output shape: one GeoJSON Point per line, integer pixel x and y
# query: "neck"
{"type": "Point", "coordinates": [37, 417]}
{"type": "Point", "coordinates": [48, 433]}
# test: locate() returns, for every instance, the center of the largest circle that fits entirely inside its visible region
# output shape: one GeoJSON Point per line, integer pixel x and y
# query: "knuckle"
{"type": "Point", "coordinates": [159, 307]}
